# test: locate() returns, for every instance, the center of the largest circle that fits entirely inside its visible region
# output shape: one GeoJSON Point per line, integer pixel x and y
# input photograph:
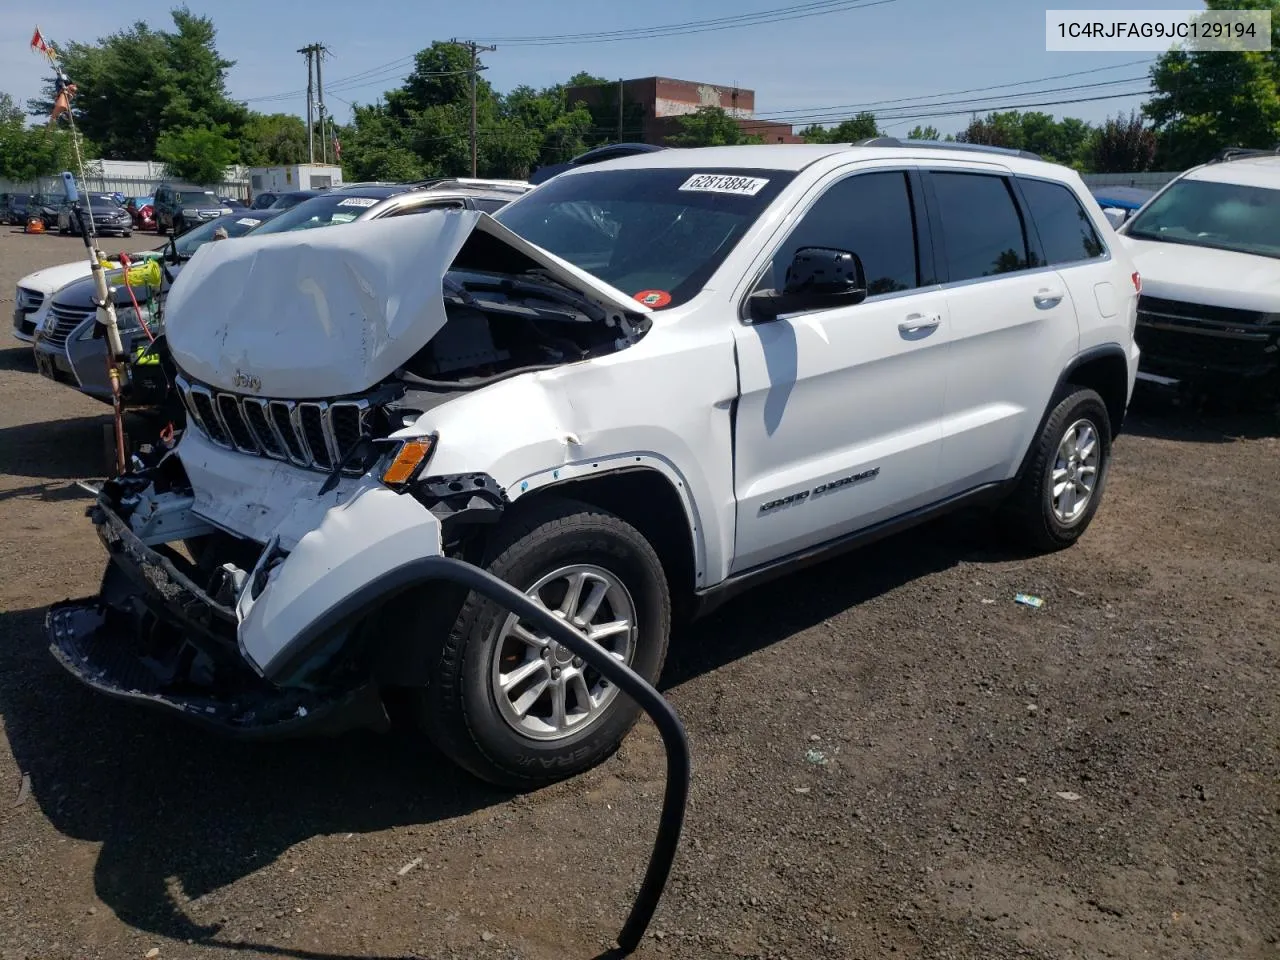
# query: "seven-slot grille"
{"type": "Point", "coordinates": [62, 322]}
{"type": "Point", "coordinates": [29, 300]}
{"type": "Point", "coordinates": [309, 433]}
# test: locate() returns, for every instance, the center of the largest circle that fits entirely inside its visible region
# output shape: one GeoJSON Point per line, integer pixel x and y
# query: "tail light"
{"type": "Point", "coordinates": [1137, 281]}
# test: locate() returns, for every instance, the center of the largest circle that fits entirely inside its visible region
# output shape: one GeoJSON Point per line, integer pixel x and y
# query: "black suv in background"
{"type": "Point", "coordinates": [179, 206]}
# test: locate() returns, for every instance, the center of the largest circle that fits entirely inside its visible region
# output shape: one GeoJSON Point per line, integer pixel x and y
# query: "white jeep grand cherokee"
{"type": "Point", "coordinates": [643, 386]}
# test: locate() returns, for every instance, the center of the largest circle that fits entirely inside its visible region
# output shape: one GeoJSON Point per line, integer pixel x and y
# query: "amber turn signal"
{"type": "Point", "coordinates": [408, 461]}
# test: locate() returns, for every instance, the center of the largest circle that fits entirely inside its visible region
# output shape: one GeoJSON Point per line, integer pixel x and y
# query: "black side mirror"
{"type": "Point", "coordinates": [819, 278]}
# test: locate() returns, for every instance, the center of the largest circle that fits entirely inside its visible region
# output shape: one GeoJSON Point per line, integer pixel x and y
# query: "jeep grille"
{"type": "Point", "coordinates": [314, 434]}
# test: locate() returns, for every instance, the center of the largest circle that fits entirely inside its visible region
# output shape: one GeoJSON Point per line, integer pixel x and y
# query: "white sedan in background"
{"type": "Point", "coordinates": [35, 294]}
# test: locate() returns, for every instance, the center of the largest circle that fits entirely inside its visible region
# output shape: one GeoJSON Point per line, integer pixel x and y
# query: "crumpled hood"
{"type": "Point", "coordinates": [1176, 271]}
{"type": "Point", "coordinates": [331, 311]}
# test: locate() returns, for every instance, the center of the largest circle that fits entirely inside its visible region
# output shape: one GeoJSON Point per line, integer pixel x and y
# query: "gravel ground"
{"type": "Point", "coordinates": [892, 759]}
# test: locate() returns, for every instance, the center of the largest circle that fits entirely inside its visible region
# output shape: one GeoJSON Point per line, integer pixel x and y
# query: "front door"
{"type": "Point", "coordinates": [839, 418]}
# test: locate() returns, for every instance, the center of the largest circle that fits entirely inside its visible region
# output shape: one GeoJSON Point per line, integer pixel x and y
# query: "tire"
{"type": "Point", "coordinates": [460, 709]}
{"type": "Point", "coordinates": [127, 234]}
{"type": "Point", "coordinates": [1031, 514]}
{"type": "Point", "coordinates": [63, 231]}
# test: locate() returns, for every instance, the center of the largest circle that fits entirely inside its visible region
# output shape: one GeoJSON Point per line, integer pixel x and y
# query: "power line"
{"type": "Point", "coordinates": [798, 11]}
{"type": "Point", "coordinates": [824, 116]}
{"type": "Point", "coordinates": [793, 12]}
{"type": "Point", "coordinates": [955, 93]}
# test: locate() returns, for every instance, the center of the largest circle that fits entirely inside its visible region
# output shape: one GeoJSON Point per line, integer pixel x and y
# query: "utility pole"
{"type": "Point", "coordinates": [619, 109]}
{"type": "Point", "coordinates": [314, 52]}
{"type": "Point", "coordinates": [311, 135]}
{"type": "Point", "coordinates": [321, 50]}
{"type": "Point", "coordinates": [475, 49]}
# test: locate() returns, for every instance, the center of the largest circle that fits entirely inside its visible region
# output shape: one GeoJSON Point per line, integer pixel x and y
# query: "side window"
{"type": "Point", "coordinates": [1066, 232]}
{"type": "Point", "coordinates": [486, 205]}
{"type": "Point", "coordinates": [868, 214]}
{"type": "Point", "coordinates": [981, 225]}
{"type": "Point", "coordinates": [425, 207]}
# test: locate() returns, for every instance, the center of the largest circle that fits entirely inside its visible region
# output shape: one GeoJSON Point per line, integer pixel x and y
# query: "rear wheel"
{"type": "Point", "coordinates": [508, 703]}
{"type": "Point", "coordinates": [1062, 486]}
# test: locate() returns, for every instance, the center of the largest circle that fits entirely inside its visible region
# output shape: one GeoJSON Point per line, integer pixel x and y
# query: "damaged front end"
{"type": "Point", "coordinates": [163, 629]}
{"type": "Point", "coordinates": [249, 565]}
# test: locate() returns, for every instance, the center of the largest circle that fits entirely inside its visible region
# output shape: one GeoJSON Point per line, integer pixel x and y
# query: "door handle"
{"type": "Point", "coordinates": [1046, 298]}
{"type": "Point", "coordinates": [920, 324]}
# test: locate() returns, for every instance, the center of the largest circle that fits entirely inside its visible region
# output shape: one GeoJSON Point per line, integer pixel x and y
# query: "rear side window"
{"type": "Point", "coordinates": [981, 226]}
{"type": "Point", "coordinates": [868, 214]}
{"type": "Point", "coordinates": [1066, 232]}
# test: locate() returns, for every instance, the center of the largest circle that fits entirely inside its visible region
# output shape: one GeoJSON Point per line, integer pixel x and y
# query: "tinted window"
{"type": "Point", "coordinates": [660, 231]}
{"type": "Point", "coordinates": [980, 224]}
{"type": "Point", "coordinates": [870, 215]}
{"type": "Point", "coordinates": [1066, 232]}
{"type": "Point", "coordinates": [485, 205]}
{"type": "Point", "coordinates": [325, 210]}
{"type": "Point", "coordinates": [426, 207]}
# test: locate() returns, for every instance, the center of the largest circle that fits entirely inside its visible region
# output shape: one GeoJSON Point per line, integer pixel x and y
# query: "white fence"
{"type": "Point", "coordinates": [1151, 180]}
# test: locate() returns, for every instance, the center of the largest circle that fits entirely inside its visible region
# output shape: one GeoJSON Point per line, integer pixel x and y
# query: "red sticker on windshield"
{"type": "Point", "coordinates": [654, 298]}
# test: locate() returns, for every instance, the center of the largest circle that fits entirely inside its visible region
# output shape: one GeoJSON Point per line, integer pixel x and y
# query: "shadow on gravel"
{"type": "Point", "coordinates": [171, 805]}
{"type": "Point", "coordinates": [1162, 415]}
{"type": "Point", "coordinates": [71, 449]}
{"type": "Point", "coordinates": [20, 359]}
{"type": "Point", "coordinates": [776, 610]}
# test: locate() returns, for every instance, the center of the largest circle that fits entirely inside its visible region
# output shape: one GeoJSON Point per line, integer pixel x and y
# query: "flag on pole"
{"type": "Point", "coordinates": [40, 45]}
{"type": "Point", "coordinates": [337, 149]}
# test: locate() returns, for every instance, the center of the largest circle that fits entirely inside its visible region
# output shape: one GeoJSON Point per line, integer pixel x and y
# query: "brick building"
{"type": "Point", "coordinates": [652, 107]}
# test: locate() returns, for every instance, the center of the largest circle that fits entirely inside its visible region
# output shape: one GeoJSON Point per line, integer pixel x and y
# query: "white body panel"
{"type": "Point", "coordinates": [1220, 278]}
{"type": "Point", "coordinates": [822, 401]}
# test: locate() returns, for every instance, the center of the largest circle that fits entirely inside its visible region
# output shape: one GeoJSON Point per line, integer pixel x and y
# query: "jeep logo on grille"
{"type": "Point", "coordinates": [247, 381]}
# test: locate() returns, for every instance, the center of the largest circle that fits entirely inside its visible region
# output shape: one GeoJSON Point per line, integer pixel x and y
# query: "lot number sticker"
{"type": "Point", "coordinates": [248, 222]}
{"type": "Point", "coordinates": [358, 202]}
{"type": "Point", "coordinates": [724, 183]}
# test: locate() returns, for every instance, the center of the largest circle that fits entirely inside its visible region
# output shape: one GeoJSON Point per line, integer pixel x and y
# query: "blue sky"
{"type": "Point", "coordinates": [900, 49]}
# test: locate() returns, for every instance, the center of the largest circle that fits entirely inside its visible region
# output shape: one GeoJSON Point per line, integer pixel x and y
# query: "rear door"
{"type": "Point", "coordinates": [838, 421]}
{"type": "Point", "coordinates": [1013, 323]}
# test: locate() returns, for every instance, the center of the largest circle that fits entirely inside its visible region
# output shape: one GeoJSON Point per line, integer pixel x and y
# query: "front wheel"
{"type": "Point", "coordinates": [1062, 486]}
{"type": "Point", "coordinates": [507, 702]}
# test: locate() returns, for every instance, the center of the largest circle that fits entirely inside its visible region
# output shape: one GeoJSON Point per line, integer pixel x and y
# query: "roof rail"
{"type": "Point", "coordinates": [1227, 154]}
{"type": "Point", "coordinates": [946, 145]}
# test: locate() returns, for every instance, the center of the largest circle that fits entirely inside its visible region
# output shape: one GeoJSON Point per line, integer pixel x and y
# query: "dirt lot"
{"type": "Point", "coordinates": [1097, 778]}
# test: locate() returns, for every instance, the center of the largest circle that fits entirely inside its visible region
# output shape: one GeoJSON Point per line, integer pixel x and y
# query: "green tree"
{"type": "Point", "coordinates": [197, 154]}
{"type": "Point", "coordinates": [1064, 141]}
{"type": "Point", "coordinates": [137, 83]}
{"type": "Point", "coordinates": [924, 133]}
{"type": "Point", "coordinates": [1207, 101]}
{"type": "Point", "coordinates": [709, 127]}
{"type": "Point", "coordinates": [275, 138]}
{"type": "Point", "coordinates": [861, 127]}
{"type": "Point", "coordinates": [30, 152]}
{"type": "Point", "coordinates": [1123, 145]}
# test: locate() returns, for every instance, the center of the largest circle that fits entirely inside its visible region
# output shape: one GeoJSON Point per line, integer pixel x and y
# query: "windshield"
{"type": "Point", "coordinates": [141, 202]}
{"type": "Point", "coordinates": [102, 204]}
{"type": "Point", "coordinates": [288, 201]}
{"type": "Point", "coordinates": [199, 198]}
{"type": "Point", "coordinates": [1227, 216]}
{"type": "Point", "coordinates": [660, 232]}
{"type": "Point", "coordinates": [326, 210]}
{"type": "Point", "coordinates": [194, 239]}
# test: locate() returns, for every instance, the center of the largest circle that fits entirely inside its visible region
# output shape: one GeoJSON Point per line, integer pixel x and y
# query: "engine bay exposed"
{"type": "Point", "coordinates": [501, 325]}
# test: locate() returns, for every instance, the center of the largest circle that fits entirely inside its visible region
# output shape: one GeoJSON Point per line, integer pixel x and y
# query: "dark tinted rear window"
{"type": "Point", "coordinates": [980, 224]}
{"type": "Point", "coordinates": [1066, 232]}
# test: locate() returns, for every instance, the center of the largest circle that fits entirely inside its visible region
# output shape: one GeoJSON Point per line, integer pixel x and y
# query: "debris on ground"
{"type": "Point", "coordinates": [1068, 796]}
{"type": "Point", "coordinates": [816, 757]}
{"type": "Point", "coordinates": [409, 866]}
{"type": "Point", "coordinates": [1029, 600]}
{"type": "Point", "coordinates": [24, 790]}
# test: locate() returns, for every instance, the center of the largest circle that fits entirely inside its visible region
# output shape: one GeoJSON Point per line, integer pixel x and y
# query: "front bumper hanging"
{"type": "Point", "coordinates": [105, 641]}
